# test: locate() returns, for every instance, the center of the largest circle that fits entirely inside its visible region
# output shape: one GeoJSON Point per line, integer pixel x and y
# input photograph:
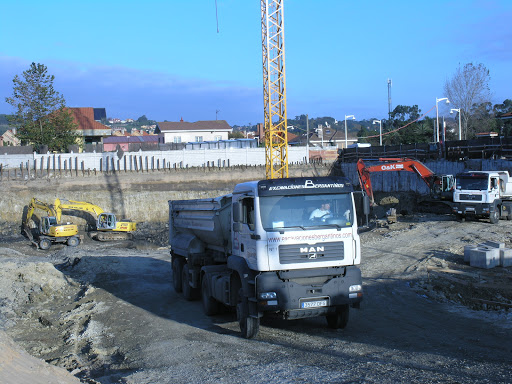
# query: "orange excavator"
{"type": "Point", "coordinates": [440, 186]}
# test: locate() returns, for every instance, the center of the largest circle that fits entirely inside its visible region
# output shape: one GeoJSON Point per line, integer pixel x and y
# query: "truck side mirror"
{"type": "Point", "coordinates": [237, 212]}
{"type": "Point", "coordinates": [366, 205]}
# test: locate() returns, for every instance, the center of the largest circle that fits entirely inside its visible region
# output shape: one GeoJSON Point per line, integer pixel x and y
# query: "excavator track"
{"type": "Point", "coordinates": [111, 236]}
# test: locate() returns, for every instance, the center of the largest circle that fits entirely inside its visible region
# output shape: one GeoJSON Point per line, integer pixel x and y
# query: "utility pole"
{"type": "Point", "coordinates": [307, 138]}
{"type": "Point", "coordinates": [390, 107]}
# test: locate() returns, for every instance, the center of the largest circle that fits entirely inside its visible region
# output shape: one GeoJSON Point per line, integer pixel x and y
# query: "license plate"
{"type": "Point", "coordinates": [314, 304]}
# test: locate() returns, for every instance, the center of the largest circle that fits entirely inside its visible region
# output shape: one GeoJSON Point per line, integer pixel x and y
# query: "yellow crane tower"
{"type": "Point", "coordinates": [274, 89]}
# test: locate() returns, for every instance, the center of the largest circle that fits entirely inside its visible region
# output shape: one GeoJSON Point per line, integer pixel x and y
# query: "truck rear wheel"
{"type": "Point", "coordinates": [177, 266]}
{"type": "Point", "coordinates": [494, 217]}
{"type": "Point", "coordinates": [249, 326]}
{"type": "Point", "coordinates": [210, 305]}
{"type": "Point", "coordinates": [339, 319]}
{"type": "Point", "coordinates": [189, 293]}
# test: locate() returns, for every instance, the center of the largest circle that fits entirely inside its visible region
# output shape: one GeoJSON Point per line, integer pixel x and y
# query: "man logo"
{"type": "Point", "coordinates": [312, 256]}
{"type": "Point", "coordinates": [311, 249]}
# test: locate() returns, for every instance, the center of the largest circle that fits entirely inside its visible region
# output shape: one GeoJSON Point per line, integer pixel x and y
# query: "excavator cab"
{"type": "Point", "coordinates": [47, 222]}
{"type": "Point", "coordinates": [106, 221]}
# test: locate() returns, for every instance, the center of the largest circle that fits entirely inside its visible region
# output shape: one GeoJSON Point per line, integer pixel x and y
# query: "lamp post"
{"type": "Point", "coordinates": [346, 138]}
{"type": "Point", "coordinates": [380, 130]}
{"type": "Point", "coordinates": [437, 113]}
{"type": "Point", "coordinates": [458, 111]}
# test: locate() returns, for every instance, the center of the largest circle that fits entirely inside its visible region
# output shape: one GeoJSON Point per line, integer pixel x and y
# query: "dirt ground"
{"type": "Point", "coordinates": [107, 313]}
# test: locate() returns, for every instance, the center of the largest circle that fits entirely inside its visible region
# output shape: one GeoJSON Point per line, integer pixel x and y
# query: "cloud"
{"type": "Point", "coordinates": [130, 93]}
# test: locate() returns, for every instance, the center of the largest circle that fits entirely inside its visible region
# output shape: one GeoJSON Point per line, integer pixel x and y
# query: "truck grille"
{"type": "Point", "coordinates": [470, 197]}
{"type": "Point", "coordinates": [307, 253]}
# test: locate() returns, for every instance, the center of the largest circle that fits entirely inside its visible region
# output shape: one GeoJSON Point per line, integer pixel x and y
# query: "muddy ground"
{"type": "Point", "coordinates": [107, 313]}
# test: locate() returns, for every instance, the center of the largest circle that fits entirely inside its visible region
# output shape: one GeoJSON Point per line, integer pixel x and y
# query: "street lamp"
{"type": "Point", "coordinates": [380, 130]}
{"type": "Point", "coordinates": [437, 113]}
{"type": "Point", "coordinates": [347, 117]}
{"type": "Point", "coordinates": [458, 111]}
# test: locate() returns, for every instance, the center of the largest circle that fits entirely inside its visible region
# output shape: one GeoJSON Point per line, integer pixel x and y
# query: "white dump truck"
{"type": "Point", "coordinates": [483, 194]}
{"type": "Point", "coordinates": [285, 247]}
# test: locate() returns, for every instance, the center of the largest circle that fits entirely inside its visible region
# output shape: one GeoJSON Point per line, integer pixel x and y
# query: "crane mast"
{"type": "Point", "coordinates": [274, 89]}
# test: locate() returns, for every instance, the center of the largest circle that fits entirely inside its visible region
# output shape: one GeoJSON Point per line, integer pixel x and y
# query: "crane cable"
{"type": "Point", "coordinates": [216, 16]}
{"type": "Point", "coordinates": [406, 125]}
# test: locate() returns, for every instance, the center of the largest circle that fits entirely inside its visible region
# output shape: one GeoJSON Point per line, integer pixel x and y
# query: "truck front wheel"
{"type": "Point", "coordinates": [249, 326]}
{"type": "Point", "coordinates": [494, 217]}
{"type": "Point", "coordinates": [210, 305]}
{"type": "Point", "coordinates": [339, 319]}
{"type": "Point", "coordinates": [177, 266]}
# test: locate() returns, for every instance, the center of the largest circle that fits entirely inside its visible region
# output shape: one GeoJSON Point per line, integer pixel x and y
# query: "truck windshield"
{"type": "Point", "coordinates": [475, 183]}
{"type": "Point", "coordinates": [302, 211]}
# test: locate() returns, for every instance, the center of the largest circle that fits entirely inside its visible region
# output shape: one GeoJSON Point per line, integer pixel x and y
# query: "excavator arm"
{"type": "Point", "coordinates": [38, 204]}
{"type": "Point", "coordinates": [61, 205]}
{"type": "Point", "coordinates": [391, 165]}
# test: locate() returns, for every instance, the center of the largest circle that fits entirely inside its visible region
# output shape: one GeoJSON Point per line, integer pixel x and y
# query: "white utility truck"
{"type": "Point", "coordinates": [284, 247]}
{"type": "Point", "coordinates": [483, 194]}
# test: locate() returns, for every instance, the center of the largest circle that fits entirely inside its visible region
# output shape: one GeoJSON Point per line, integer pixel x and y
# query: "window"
{"type": "Point", "coordinates": [177, 139]}
{"type": "Point", "coordinates": [248, 212]}
{"type": "Point", "coordinates": [218, 138]}
{"type": "Point", "coordinates": [199, 139]}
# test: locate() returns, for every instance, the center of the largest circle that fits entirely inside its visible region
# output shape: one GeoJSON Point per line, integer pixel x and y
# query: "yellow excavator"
{"type": "Point", "coordinates": [50, 229]}
{"type": "Point", "coordinates": [107, 227]}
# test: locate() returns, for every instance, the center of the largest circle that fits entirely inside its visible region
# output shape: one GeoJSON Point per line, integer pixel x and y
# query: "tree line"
{"type": "Point", "coordinates": [42, 118]}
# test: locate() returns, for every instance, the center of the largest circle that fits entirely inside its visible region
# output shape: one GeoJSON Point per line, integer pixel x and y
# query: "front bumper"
{"type": "Point", "coordinates": [327, 287]}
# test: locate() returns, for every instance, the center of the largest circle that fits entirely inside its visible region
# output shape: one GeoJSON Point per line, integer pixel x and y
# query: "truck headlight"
{"type": "Point", "coordinates": [355, 288]}
{"type": "Point", "coordinates": [268, 295]}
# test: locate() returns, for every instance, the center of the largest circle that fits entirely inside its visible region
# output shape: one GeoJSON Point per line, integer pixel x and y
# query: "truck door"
{"type": "Point", "coordinates": [494, 192]}
{"type": "Point", "coordinates": [244, 225]}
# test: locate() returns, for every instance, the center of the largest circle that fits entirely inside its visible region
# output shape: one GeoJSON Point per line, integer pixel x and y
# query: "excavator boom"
{"type": "Point", "coordinates": [435, 183]}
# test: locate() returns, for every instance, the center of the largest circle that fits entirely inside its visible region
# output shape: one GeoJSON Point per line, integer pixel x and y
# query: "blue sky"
{"type": "Point", "coordinates": [164, 58]}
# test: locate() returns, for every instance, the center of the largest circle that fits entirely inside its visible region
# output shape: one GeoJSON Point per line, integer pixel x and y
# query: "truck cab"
{"type": "Point", "coordinates": [483, 194]}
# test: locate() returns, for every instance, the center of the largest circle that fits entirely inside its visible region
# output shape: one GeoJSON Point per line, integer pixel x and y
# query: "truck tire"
{"type": "Point", "coordinates": [45, 244]}
{"type": "Point", "coordinates": [494, 217]}
{"type": "Point", "coordinates": [177, 267]}
{"type": "Point", "coordinates": [189, 293]}
{"type": "Point", "coordinates": [339, 319]}
{"type": "Point", "coordinates": [210, 305]}
{"type": "Point", "coordinates": [73, 241]}
{"type": "Point", "coordinates": [249, 326]}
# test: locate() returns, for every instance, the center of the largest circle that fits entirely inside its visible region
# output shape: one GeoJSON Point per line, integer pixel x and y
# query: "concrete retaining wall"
{"type": "Point", "coordinates": [138, 196]}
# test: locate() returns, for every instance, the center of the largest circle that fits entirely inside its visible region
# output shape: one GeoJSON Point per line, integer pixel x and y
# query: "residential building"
{"type": "Point", "coordinates": [200, 131]}
{"type": "Point", "coordinates": [9, 138]}
{"type": "Point", "coordinates": [132, 143]}
{"type": "Point", "coordinates": [91, 130]}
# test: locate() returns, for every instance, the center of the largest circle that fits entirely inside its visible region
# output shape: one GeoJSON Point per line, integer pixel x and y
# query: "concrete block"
{"type": "Point", "coordinates": [484, 257]}
{"type": "Point", "coordinates": [467, 252]}
{"type": "Point", "coordinates": [492, 244]}
{"type": "Point", "coordinates": [506, 257]}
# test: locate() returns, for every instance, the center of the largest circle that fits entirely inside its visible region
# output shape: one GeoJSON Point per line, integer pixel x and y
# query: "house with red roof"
{"type": "Point", "coordinates": [89, 126]}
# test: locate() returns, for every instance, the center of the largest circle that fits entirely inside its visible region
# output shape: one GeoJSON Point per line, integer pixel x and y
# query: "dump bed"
{"type": "Point", "coordinates": [199, 224]}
